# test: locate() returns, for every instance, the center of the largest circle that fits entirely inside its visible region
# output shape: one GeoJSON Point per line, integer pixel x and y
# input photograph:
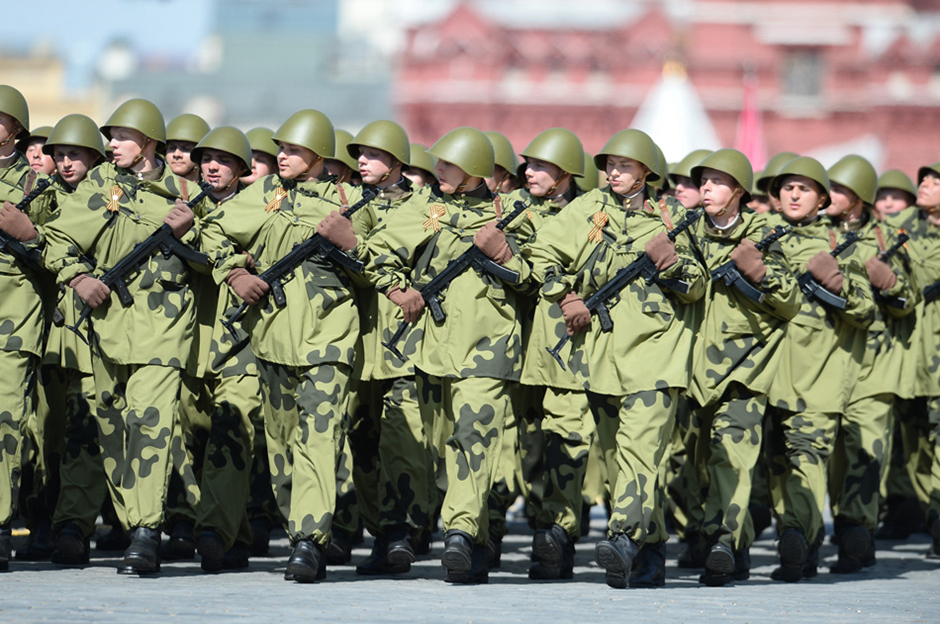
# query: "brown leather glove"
{"type": "Point", "coordinates": [16, 223]}
{"type": "Point", "coordinates": [825, 268]}
{"type": "Point", "coordinates": [577, 316]}
{"type": "Point", "coordinates": [880, 274]}
{"type": "Point", "coordinates": [662, 251]}
{"type": "Point", "coordinates": [492, 241]}
{"type": "Point", "coordinates": [410, 301]}
{"type": "Point", "coordinates": [91, 289]}
{"type": "Point", "coordinates": [338, 230]}
{"type": "Point", "coordinates": [248, 286]}
{"type": "Point", "coordinates": [749, 260]}
{"type": "Point", "coordinates": [180, 219]}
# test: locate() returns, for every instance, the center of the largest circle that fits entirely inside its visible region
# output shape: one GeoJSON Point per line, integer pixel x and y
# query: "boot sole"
{"type": "Point", "coordinates": [212, 552]}
{"type": "Point", "coordinates": [545, 550]}
{"type": "Point", "coordinates": [400, 558]}
{"type": "Point", "coordinates": [719, 562]}
{"type": "Point", "coordinates": [456, 563]}
{"type": "Point", "coordinates": [793, 550]}
{"type": "Point", "coordinates": [610, 559]}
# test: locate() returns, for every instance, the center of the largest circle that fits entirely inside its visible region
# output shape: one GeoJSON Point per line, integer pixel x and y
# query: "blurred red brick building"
{"type": "Point", "coordinates": [832, 76]}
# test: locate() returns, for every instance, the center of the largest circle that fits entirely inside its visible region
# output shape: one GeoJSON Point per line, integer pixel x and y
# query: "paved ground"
{"type": "Point", "coordinates": [903, 587]}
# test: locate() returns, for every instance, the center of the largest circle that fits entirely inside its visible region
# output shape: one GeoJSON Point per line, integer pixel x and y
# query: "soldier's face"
{"type": "Point", "coordinates": [126, 144]}
{"type": "Point", "coordinates": [220, 169]}
{"type": "Point", "coordinates": [450, 175]}
{"type": "Point", "coordinates": [177, 156]}
{"type": "Point", "coordinates": [376, 166]}
{"type": "Point", "coordinates": [545, 179]}
{"type": "Point", "coordinates": [296, 162]}
{"type": "Point", "coordinates": [262, 164]}
{"type": "Point", "coordinates": [759, 204]}
{"type": "Point", "coordinates": [38, 160]}
{"type": "Point", "coordinates": [625, 175]}
{"type": "Point", "coordinates": [800, 198]}
{"type": "Point", "coordinates": [891, 201]}
{"type": "Point", "coordinates": [9, 127]}
{"type": "Point", "coordinates": [73, 163]}
{"type": "Point", "coordinates": [419, 177]}
{"type": "Point", "coordinates": [928, 192]}
{"type": "Point", "coordinates": [720, 193]}
{"type": "Point", "coordinates": [844, 200]}
{"type": "Point", "coordinates": [687, 193]}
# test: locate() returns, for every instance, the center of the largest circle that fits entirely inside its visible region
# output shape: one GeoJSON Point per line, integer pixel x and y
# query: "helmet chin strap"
{"type": "Point", "coordinates": [463, 185]}
{"type": "Point", "coordinates": [724, 209]}
{"type": "Point", "coordinates": [140, 155]}
{"type": "Point", "coordinates": [13, 134]}
{"type": "Point", "coordinates": [306, 172]}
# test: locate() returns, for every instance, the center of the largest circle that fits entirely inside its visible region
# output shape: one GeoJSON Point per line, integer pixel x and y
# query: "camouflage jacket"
{"type": "Point", "coordinates": [543, 322]}
{"type": "Point", "coordinates": [379, 317]}
{"type": "Point", "coordinates": [481, 336]}
{"type": "Point", "coordinates": [63, 347]}
{"type": "Point", "coordinates": [319, 323]}
{"type": "Point", "coordinates": [819, 362]}
{"type": "Point", "coordinates": [96, 226]}
{"type": "Point", "coordinates": [21, 290]}
{"type": "Point", "coordinates": [737, 339]}
{"type": "Point", "coordinates": [922, 362]}
{"type": "Point", "coordinates": [580, 250]}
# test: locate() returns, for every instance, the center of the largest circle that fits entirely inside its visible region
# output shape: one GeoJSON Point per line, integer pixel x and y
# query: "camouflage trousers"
{"type": "Point", "coordinates": [261, 504]}
{"type": "Point", "coordinates": [392, 465]}
{"type": "Point", "coordinates": [595, 490]}
{"type": "Point", "coordinates": [347, 516]}
{"type": "Point", "coordinates": [136, 412]}
{"type": "Point", "coordinates": [17, 392]}
{"type": "Point", "coordinates": [727, 445]}
{"type": "Point", "coordinates": [44, 444]}
{"type": "Point", "coordinates": [858, 461]}
{"type": "Point", "coordinates": [933, 508]}
{"type": "Point", "coordinates": [634, 433]}
{"type": "Point", "coordinates": [508, 483]}
{"type": "Point", "coordinates": [83, 487]}
{"type": "Point", "coordinates": [683, 502]}
{"type": "Point", "coordinates": [303, 414]}
{"type": "Point", "coordinates": [918, 419]}
{"type": "Point", "coordinates": [798, 447]}
{"type": "Point", "coordinates": [465, 418]}
{"type": "Point", "coordinates": [895, 481]}
{"type": "Point", "coordinates": [190, 433]}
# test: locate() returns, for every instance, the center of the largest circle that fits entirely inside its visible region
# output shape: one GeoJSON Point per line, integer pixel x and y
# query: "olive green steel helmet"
{"type": "Point", "coordinates": [770, 170]}
{"type": "Point", "coordinates": [662, 183]}
{"type": "Point", "coordinates": [856, 174]}
{"type": "Point", "coordinates": [755, 191]}
{"type": "Point", "coordinates": [13, 104]}
{"type": "Point", "coordinates": [42, 132]}
{"type": "Point", "coordinates": [468, 148]}
{"type": "Point", "coordinates": [340, 152]}
{"type": "Point", "coordinates": [260, 140]}
{"type": "Point", "coordinates": [225, 139]}
{"type": "Point", "coordinates": [591, 178]}
{"type": "Point", "coordinates": [802, 166]}
{"type": "Point", "coordinates": [731, 162]}
{"type": "Point", "coordinates": [311, 129]}
{"type": "Point", "coordinates": [684, 167]}
{"type": "Point", "coordinates": [385, 135]}
{"type": "Point", "coordinates": [634, 144]}
{"type": "Point", "coordinates": [187, 127]}
{"type": "Point", "coordinates": [77, 130]}
{"type": "Point", "coordinates": [923, 171]}
{"type": "Point", "coordinates": [560, 147]}
{"type": "Point", "coordinates": [421, 159]}
{"type": "Point", "coordinates": [897, 179]}
{"type": "Point", "coordinates": [503, 153]}
{"type": "Point", "coordinates": [139, 115]}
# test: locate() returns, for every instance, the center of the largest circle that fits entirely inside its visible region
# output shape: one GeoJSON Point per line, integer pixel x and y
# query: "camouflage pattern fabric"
{"type": "Point", "coordinates": [346, 516]}
{"type": "Point", "coordinates": [18, 369]}
{"type": "Point", "coordinates": [44, 444]}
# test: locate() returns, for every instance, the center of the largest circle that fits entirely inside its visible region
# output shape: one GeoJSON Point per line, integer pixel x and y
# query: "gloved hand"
{"type": "Point", "coordinates": [16, 223]}
{"type": "Point", "coordinates": [825, 269]}
{"type": "Point", "coordinates": [577, 316]}
{"type": "Point", "coordinates": [492, 242]}
{"type": "Point", "coordinates": [410, 301]}
{"type": "Point", "coordinates": [749, 260]}
{"type": "Point", "coordinates": [662, 251]}
{"type": "Point", "coordinates": [880, 274]}
{"type": "Point", "coordinates": [338, 230]}
{"type": "Point", "coordinates": [91, 289]}
{"type": "Point", "coordinates": [250, 261]}
{"type": "Point", "coordinates": [248, 286]}
{"type": "Point", "coordinates": [180, 219]}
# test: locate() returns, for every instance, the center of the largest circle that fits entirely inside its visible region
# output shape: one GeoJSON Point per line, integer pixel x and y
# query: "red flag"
{"type": "Point", "coordinates": [750, 137]}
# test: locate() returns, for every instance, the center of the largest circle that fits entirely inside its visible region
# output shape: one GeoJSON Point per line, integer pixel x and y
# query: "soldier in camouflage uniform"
{"type": "Point", "coordinates": [182, 135]}
{"type": "Point", "coordinates": [139, 349]}
{"type": "Point", "coordinates": [31, 147]}
{"type": "Point", "coordinates": [305, 349]}
{"type": "Point", "coordinates": [67, 400]}
{"type": "Point", "coordinates": [818, 369]}
{"type": "Point", "coordinates": [263, 155]}
{"type": "Point", "coordinates": [895, 194]}
{"type": "Point", "coordinates": [634, 373]}
{"type": "Point", "coordinates": [734, 360]}
{"type": "Point", "coordinates": [421, 168]}
{"type": "Point", "coordinates": [860, 452]}
{"type": "Point", "coordinates": [463, 364]}
{"type": "Point", "coordinates": [22, 309]}
{"type": "Point", "coordinates": [504, 178]}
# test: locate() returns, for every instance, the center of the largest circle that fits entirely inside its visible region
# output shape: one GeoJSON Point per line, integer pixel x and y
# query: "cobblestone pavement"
{"type": "Point", "coordinates": [903, 587]}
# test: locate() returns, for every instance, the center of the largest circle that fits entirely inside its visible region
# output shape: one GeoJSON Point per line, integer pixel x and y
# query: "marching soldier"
{"type": "Point", "coordinates": [182, 135]}
{"type": "Point", "coordinates": [263, 155]}
{"type": "Point", "coordinates": [421, 168]}
{"type": "Point", "coordinates": [32, 147]}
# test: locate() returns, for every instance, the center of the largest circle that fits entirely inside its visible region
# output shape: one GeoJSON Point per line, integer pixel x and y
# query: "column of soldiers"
{"type": "Point", "coordinates": [211, 333]}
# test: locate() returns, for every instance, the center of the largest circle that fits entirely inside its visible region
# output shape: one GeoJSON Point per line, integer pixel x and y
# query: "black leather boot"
{"type": "Point", "coordinates": [616, 556]}
{"type": "Point", "coordinates": [719, 566]}
{"type": "Point", "coordinates": [142, 557]}
{"type": "Point", "coordinates": [114, 540]}
{"type": "Point", "coordinates": [649, 566]}
{"type": "Point", "coordinates": [212, 551]}
{"type": "Point", "coordinates": [694, 552]}
{"type": "Point", "coordinates": [457, 557]}
{"type": "Point", "coordinates": [552, 554]}
{"type": "Point", "coordinates": [794, 552]}
{"type": "Point", "coordinates": [181, 546]}
{"type": "Point", "coordinates": [307, 563]}
{"type": "Point", "coordinates": [399, 549]}
{"type": "Point", "coordinates": [377, 563]}
{"type": "Point", "coordinates": [855, 546]}
{"type": "Point", "coordinates": [339, 550]}
{"type": "Point", "coordinates": [71, 546]}
{"type": "Point", "coordinates": [6, 547]}
{"type": "Point", "coordinates": [40, 544]}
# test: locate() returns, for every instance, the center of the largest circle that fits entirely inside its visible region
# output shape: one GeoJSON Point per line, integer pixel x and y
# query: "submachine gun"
{"type": "Point", "coordinates": [814, 290]}
{"type": "Point", "coordinates": [728, 272]}
{"type": "Point", "coordinates": [29, 257]}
